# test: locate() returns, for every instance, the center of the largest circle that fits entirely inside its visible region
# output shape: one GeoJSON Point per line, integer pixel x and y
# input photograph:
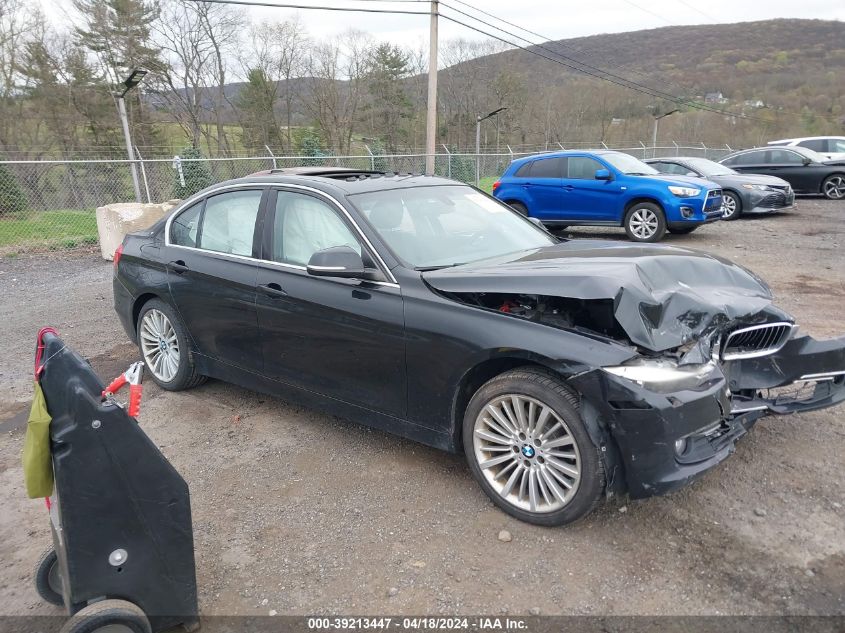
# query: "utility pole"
{"type": "Point", "coordinates": [431, 114]}
{"type": "Point", "coordinates": [654, 133]}
{"type": "Point", "coordinates": [130, 82]}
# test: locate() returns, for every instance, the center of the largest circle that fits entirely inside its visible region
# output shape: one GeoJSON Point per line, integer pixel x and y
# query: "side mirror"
{"type": "Point", "coordinates": [692, 173]}
{"type": "Point", "coordinates": [806, 161]}
{"type": "Point", "coordinates": [603, 174]}
{"type": "Point", "coordinates": [337, 261]}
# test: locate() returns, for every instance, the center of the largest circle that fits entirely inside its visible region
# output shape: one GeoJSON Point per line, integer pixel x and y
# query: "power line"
{"type": "Point", "coordinates": [697, 10]}
{"type": "Point", "coordinates": [255, 3]}
{"type": "Point", "coordinates": [581, 50]}
{"type": "Point", "coordinates": [604, 76]}
{"type": "Point", "coordinates": [643, 9]}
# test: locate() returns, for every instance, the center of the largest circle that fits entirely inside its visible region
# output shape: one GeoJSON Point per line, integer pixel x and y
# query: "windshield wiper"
{"type": "Point", "coordinates": [425, 269]}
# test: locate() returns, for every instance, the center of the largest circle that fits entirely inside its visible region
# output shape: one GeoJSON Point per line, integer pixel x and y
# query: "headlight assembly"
{"type": "Point", "coordinates": [664, 376]}
{"type": "Point", "coordinates": [684, 192]}
{"type": "Point", "coordinates": [748, 185]}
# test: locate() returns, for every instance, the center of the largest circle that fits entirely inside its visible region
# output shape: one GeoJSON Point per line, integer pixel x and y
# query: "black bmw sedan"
{"type": "Point", "coordinates": [741, 193]}
{"type": "Point", "coordinates": [804, 169]}
{"type": "Point", "coordinates": [566, 371]}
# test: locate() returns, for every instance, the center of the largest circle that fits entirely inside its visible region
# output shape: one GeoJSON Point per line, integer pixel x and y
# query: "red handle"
{"type": "Point", "coordinates": [115, 384]}
{"type": "Point", "coordinates": [135, 400]}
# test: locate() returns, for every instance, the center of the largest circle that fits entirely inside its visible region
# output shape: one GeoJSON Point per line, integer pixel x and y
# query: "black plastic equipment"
{"type": "Point", "coordinates": [120, 513]}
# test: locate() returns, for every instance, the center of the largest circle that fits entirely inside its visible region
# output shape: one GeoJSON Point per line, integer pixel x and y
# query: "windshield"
{"type": "Point", "coordinates": [447, 225]}
{"type": "Point", "coordinates": [629, 165]}
{"type": "Point", "coordinates": [708, 167]}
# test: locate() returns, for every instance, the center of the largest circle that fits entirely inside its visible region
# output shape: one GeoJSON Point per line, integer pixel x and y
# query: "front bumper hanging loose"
{"type": "Point", "coordinates": [663, 441]}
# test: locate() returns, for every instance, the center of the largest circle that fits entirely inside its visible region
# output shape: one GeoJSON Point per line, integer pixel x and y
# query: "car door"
{"type": "Point", "coordinates": [546, 192]}
{"type": "Point", "coordinates": [342, 338]}
{"type": "Point", "coordinates": [789, 165]}
{"type": "Point", "coordinates": [591, 199]}
{"type": "Point", "coordinates": [753, 162]}
{"type": "Point", "coordinates": [211, 274]}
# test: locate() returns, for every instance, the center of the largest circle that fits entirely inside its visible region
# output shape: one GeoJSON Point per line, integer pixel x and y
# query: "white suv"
{"type": "Point", "coordinates": [831, 147]}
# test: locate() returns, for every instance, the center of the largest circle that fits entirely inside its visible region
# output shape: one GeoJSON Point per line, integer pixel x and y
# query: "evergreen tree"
{"type": "Point", "coordinates": [12, 198]}
{"type": "Point", "coordinates": [309, 144]}
{"type": "Point", "coordinates": [256, 103]}
{"type": "Point", "coordinates": [196, 173]}
{"type": "Point", "coordinates": [389, 107]}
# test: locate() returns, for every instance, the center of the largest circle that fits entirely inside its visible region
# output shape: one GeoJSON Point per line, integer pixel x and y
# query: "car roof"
{"type": "Point", "coordinates": [805, 138]}
{"type": "Point", "coordinates": [338, 180]}
{"type": "Point", "coordinates": [567, 152]}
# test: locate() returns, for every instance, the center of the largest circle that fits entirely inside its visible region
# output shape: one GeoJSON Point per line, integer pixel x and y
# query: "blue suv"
{"type": "Point", "coordinates": [608, 188]}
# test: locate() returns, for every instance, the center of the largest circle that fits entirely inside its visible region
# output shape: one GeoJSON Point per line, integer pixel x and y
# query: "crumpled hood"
{"type": "Point", "coordinates": [664, 296]}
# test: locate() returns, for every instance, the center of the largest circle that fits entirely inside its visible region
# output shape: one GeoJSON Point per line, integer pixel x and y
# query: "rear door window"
{"type": "Point", "coordinates": [815, 144]}
{"type": "Point", "coordinates": [548, 168]}
{"type": "Point", "coordinates": [749, 158]}
{"type": "Point", "coordinates": [228, 222]}
{"type": "Point", "coordinates": [785, 157]}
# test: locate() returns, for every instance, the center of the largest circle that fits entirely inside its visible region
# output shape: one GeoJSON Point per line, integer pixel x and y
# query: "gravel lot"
{"type": "Point", "coordinates": [301, 513]}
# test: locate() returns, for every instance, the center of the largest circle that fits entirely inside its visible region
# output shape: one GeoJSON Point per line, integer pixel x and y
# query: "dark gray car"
{"type": "Point", "coordinates": [741, 193]}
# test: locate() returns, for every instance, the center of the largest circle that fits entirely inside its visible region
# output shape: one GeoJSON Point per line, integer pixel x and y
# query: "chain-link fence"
{"type": "Point", "coordinates": [51, 204]}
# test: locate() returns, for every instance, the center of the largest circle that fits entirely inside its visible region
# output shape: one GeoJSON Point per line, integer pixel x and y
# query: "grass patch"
{"type": "Point", "coordinates": [53, 229]}
{"type": "Point", "coordinates": [486, 184]}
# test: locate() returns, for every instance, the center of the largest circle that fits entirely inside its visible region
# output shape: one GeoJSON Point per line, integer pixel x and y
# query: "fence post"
{"type": "Point", "coordinates": [644, 150]}
{"type": "Point", "coordinates": [730, 149]}
{"type": "Point", "coordinates": [510, 151]}
{"type": "Point", "coordinates": [372, 157]}
{"type": "Point", "coordinates": [605, 146]}
{"type": "Point", "coordinates": [677, 149]}
{"type": "Point", "coordinates": [272, 155]}
{"type": "Point", "coordinates": [143, 173]}
{"type": "Point", "coordinates": [448, 161]}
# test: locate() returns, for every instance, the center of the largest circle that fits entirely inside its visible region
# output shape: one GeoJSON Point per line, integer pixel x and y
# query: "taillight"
{"type": "Point", "coordinates": [496, 185]}
{"type": "Point", "coordinates": [117, 255]}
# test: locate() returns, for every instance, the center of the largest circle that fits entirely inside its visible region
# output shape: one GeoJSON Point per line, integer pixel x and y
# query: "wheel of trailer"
{"type": "Point", "coordinates": [163, 341]}
{"type": "Point", "coordinates": [645, 222]}
{"type": "Point", "coordinates": [520, 208]}
{"type": "Point", "coordinates": [108, 616]}
{"type": "Point", "coordinates": [529, 449]}
{"type": "Point", "coordinates": [731, 205]}
{"type": "Point", "coordinates": [833, 187]}
{"type": "Point", "coordinates": [48, 578]}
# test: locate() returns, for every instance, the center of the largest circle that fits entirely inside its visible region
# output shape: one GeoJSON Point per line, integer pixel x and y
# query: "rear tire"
{"type": "Point", "coordinates": [48, 578]}
{"type": "Point", "coordinates": [731, 206]}
{"type": "Point", "coordinates": [645, 222]}
{"type": "Point", "coordinates": [553, 461]}
{"type": "Point", "coordinates": [519, 208]}
{"type": "Point", "coordinates": [169, 359]}
{"type": "Point", "coordinates": [108, 615]}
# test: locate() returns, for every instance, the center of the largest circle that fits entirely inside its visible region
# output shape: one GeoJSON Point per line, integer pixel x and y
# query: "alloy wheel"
{"type": "Point", "coordinates": [644, 223]}
{"type": "Point", "coordinates": [159, 345]}
{"type": "Point", "coordinates": [834, 187]}
{"type": "Point", "coordinates": [527, 453]}
{"type": "Point", "coordinates": [728, 206]}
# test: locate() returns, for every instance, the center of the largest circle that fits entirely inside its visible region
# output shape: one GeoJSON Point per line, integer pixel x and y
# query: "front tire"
{"type": "Point", "coordinates": [529, 450]}
{"type": "Point", "coordinates": [48, 578]}
{"type": "Point", "coordinates": [645, 222]}
{"type": "Point", "coordinates": [112, 616]}
{"type": "Point", "coordinates": [731, 206]}
{"type": "Point", "coordinates": [833, 187]}
{"type": "Point", "coordinates": [163, 341]}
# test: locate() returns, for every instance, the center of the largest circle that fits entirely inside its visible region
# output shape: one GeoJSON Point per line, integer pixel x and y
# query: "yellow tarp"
{"type": "Point", "coordinates": [37, 463]}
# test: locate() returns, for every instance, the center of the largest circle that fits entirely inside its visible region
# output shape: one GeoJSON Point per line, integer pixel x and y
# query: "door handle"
{"type": "Point", "coordinates": [178, 266]}
{"type": "Point", "coordinates": [272, 289]}
{"type": "Point", "coordinates": [568, 187]}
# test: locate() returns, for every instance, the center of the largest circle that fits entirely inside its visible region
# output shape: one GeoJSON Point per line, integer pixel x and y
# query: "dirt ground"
{"type": "Point", "coordinates": [300, 513]}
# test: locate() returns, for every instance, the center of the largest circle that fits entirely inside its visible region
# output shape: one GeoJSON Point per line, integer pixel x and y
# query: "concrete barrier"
{"type": "Point", "coordinates": [114, 221]}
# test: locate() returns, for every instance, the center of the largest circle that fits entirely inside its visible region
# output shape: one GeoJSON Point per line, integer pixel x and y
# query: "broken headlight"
{"type": "Point", "coordinates": [664, 375]}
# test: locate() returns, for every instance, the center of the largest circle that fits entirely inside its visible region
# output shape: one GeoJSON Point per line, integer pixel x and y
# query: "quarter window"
{"type": "Point", "coordinates": [228, 222]}
{"type": "Point", "coordinates": [749, 158]}
{"type": "Point", "coordinates": [304, 225]}
{"type": "Point", "coordinates": [523, 172]}
{"type": "Point", "coordinates": [185, 226]}
{"type": "Point", "coordinates": [815, 144]}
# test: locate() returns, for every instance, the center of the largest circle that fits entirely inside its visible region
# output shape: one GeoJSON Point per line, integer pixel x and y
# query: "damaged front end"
{"type": "Point", "coordinates": [711, 355]}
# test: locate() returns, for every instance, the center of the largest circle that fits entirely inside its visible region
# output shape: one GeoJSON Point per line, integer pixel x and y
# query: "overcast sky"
{"type": "Point", "coordinates": [556, 19]}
